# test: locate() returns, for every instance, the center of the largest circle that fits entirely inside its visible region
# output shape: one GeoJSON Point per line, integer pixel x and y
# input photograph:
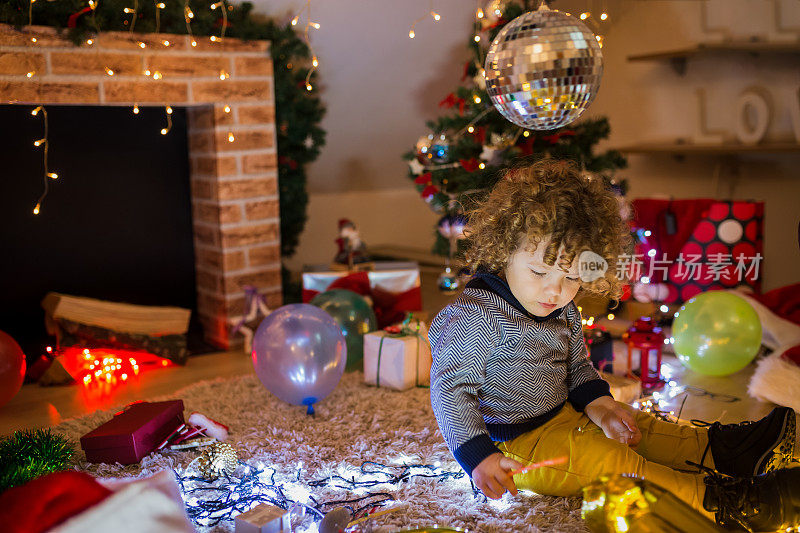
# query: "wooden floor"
{"type": "Point", "coordinates": [36, 406]}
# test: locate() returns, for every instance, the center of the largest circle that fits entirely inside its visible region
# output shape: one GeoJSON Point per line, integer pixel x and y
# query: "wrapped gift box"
{"type": "Point", "coordinates": [625, 390]}
{"type": "Point", "coordinates": [263, 518]}
{"type": "Point", "coordinates": [393, 287]}
{"type": "Point", "coordinates": [700, 245]}
{"type": "Point", "coordinates": [133, 433]}
{"type": "Point", "coordinates": [600, 345]}
{"type": "Point", "coordinates": [405, 361]}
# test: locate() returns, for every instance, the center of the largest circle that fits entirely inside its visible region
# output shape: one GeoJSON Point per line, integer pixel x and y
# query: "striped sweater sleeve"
{"type": "Point", "coordinates": [583, 382]}
{"type": "Point", "coordinates": [462, 338]}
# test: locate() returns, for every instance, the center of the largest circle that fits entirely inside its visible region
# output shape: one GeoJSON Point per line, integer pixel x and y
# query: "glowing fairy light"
{"type": "Point", "coordinates": [43, 142]}
{"type": "Point", "coordinates": [309, 24]}
{"type": "Point", "coordinates": [433, 14]}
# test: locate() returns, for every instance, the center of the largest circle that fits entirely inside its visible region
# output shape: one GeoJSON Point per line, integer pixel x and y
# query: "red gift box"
{"type": "Point", "coordinates": [393, 286]}
{"type": "Point", "coordinates": [714, 245]}
{"type": "Point", "coordinates": [133, 433]}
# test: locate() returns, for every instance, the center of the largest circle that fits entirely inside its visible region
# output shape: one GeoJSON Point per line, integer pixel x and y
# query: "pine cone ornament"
{"type": "Point", "coordinates": [219, 458]}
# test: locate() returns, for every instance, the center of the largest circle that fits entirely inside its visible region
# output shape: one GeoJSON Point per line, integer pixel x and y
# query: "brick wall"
{"type": "Point", "coordinates": [233, 182]}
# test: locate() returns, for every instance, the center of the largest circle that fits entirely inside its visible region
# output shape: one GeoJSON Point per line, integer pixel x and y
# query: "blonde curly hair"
{"type": "Point", "coordinates": [549, 201]}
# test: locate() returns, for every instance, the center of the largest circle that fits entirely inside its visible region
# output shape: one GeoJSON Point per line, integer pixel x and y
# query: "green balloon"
{"type": "Point", "coordinates": [716, 333]}
{"type": "Point", "coordinates": [354, 315]}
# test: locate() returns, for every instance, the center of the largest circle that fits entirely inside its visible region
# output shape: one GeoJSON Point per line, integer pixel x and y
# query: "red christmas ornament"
{"type": "Point", "coordinates": [423, 179]}
{"type": "Point", "coordinates": [470, 165]}
{"type": "Point", "coordinates": [429, 191]}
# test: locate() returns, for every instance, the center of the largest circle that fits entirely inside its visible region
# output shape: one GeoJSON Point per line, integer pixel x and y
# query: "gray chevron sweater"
{"type": "Point", "coordinates": [499, 371]}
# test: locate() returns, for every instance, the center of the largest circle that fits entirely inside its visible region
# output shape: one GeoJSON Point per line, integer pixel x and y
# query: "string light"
{"type": "Point", "coordinates": [231, 138]}
{"type": "Point", "coordinates": [133, 11]}
{"type": "Point", "coordinates": [227, 109]}
{"type": "Point", "coordinates": [168, 113]}
{"type": "Point", "coordinates": [604, 16]}
{"type": "Point", "coordinates": [471, 128]}
{"type": "Point", "coordinates": [48, 175]}
{"type": "Point", "coordinates": [30, 74]}
{"type": "Point", "coordinates": [135, 109]}
{"type": "Point", "coordinates": [188, 15]}
{"type": "Point", "coordinates": [585, 15]}
{"type": "Point", "coordinates": [90, 42]}
{"type": "Point", "coordinates": [309, 24]}
{"type": "Point", "coordinates": [221, 5]}
{"type": "Point", "coordinates": [109, 71]}
{"type": "Point", "coordinates": [223, 75]}
{"type": "Point", "coordinates": [436, 17]}
{"type": "Point", "coordinates": [526, 133]}
{"type": "Point", "coordinates": [33, 40]}
{"type": "Point", "coordinates": [477, 99]}
{"type": "Point", "coordinates": [210, 503]}
{"type": "Point", "coordinates": [159, 7]}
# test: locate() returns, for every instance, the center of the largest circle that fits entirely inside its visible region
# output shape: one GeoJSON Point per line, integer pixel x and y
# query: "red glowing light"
{"type": "Point", "coordinates": [101, 370]}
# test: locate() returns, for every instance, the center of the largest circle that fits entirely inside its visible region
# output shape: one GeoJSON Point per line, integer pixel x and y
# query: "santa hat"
{"type": "Point", "coordinates": [777, 376]}
{"type": "Point", "coordinates": [345, 222]}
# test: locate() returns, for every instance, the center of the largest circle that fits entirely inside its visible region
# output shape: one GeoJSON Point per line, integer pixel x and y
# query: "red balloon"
{"type": "Point", "coordinates": [12, 368]}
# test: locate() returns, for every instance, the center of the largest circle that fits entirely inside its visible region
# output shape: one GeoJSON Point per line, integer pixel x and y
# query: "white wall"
{"type": "Point", "coordinates": [380, 87]}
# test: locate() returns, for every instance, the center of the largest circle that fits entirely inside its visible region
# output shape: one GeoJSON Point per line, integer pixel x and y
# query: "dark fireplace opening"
{"type": "Point", "coordinates": [116, 224]}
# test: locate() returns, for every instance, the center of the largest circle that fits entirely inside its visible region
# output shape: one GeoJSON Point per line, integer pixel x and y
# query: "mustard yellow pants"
{"type": "Point", "coordinates": [664, 448]}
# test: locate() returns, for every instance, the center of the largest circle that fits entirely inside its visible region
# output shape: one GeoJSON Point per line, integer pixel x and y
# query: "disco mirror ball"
{"type": "Point", "coordinates": [543, 69]}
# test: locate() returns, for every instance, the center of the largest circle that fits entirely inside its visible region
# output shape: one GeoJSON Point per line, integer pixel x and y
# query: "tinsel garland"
{"type": "Point", "coordinates": [298, 112]}
{"type": "Point", "coordinates": [28, 454]}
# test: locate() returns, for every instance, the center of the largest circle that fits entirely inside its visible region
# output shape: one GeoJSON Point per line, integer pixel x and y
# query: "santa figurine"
{"type": "Point", "coordinates": [351, 249]}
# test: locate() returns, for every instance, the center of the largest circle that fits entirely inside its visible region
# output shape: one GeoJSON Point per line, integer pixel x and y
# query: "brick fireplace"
{"type": "Point", "coordinates": [233, 184]}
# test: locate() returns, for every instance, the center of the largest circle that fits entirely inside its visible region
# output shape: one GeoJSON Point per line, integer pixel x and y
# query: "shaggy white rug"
{"type": "Point", "coordinates": [356, 423]}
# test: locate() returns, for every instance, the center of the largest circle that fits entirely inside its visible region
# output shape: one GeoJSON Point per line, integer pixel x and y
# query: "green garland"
{"type": "Point", "coordinates": [298, 112]}
{"type": "Point", "coordinates": [28, 454]}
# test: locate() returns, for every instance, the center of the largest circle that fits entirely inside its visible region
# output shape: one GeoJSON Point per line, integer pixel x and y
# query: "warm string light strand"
{"type": "Point", "coordinates": [209, 503]}
{"type": "Point", "coordinates": [188, 15]}
{"type": "Point", "coordinates": [168, 112]}
{"type": "Point", "coordinates": [433, 14]}
{"type": "Point", "coordinates": [43, 142]}
{"type": "Point", "coordinates": [223, 74]}
{"type": "Point", "coordinates": [309, 24]}
{"type": "Point", "coordinates": [132, 12]}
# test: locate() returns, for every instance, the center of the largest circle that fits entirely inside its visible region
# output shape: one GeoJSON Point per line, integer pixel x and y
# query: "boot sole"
{"type": "Point", "coordinates": [781, 453]}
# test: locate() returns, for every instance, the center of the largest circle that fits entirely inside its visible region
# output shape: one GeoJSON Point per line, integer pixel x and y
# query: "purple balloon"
{"type": "Point", "coordinates": [299, 354]}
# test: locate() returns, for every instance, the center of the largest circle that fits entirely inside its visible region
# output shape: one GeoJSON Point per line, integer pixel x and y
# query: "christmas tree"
{"type": "Point", "coordinates": [466, 150]}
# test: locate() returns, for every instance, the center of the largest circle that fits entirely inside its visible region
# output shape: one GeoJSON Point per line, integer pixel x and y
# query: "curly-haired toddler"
{"type": "Point", "coordinates": [511, 383]}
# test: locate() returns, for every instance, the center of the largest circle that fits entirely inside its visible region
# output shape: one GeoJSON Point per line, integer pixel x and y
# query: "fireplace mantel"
{"type": "Point", "coordinates": [233, 184]}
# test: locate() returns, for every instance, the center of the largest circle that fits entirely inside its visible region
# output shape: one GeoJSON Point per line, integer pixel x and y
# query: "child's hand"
{"type": "Point", "coordinates": [618, 424]}
{"type": "Point", "coordinates": [492, 475]}
{"type": "Point", "coordinates": [615, 421]}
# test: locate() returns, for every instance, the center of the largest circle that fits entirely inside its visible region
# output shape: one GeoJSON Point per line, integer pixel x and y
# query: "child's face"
{"type": "Point", "coordinates": [540, 288]}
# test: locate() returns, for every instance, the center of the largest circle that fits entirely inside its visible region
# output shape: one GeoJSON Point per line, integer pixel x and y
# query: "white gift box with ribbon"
{"type": "Point", "coordinates": [398, 361]}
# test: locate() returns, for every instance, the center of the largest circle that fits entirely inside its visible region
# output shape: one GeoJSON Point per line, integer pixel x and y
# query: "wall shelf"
{"type": "Point", "coordinates": [679, 149]}
{"type": "Point", "coordinates": [678, 57]}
